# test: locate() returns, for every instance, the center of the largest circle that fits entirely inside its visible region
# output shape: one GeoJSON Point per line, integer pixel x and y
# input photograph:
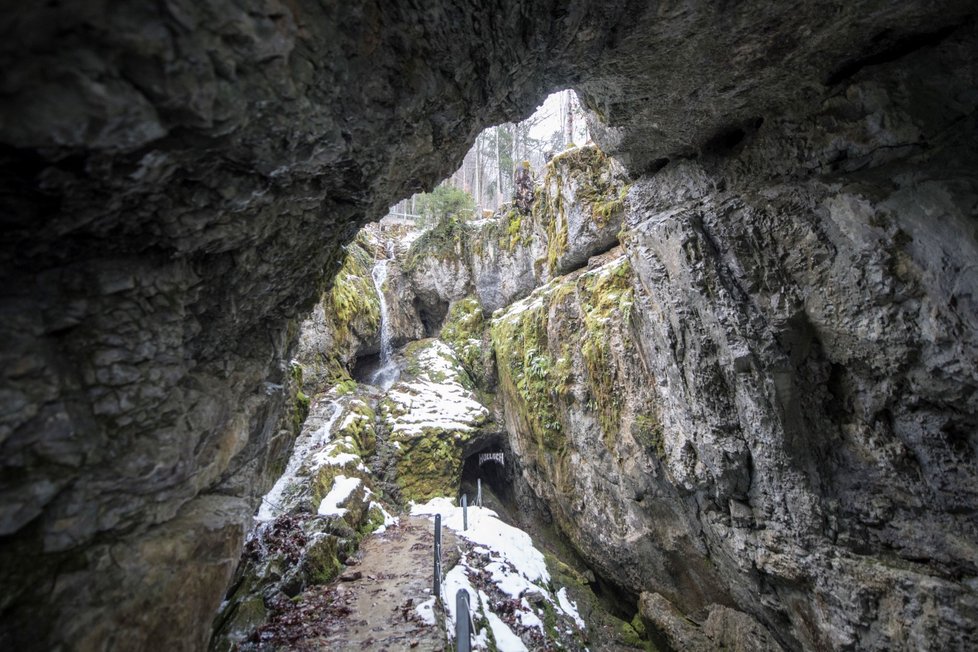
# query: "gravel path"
{"type": "Point", "coordinates": [393, 576]}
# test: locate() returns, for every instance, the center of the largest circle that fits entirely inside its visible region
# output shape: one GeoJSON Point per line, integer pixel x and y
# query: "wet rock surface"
{"type": "Point", "coordinates": [798, 327]}
{"type": "Point", "coordinates": [375, 601]}
{"type": "Point", "coordinates": [178, 179]}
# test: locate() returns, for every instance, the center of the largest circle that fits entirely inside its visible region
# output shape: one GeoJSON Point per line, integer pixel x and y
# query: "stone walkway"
{"type": "Point", "coordinates": [393, 576]}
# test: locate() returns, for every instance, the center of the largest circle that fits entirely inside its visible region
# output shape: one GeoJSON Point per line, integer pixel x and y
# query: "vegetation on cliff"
{"type": "Point", "coordinates": [560, 335]}
{"type": "Point", "coordinates": [448, 210]}
{"type": "Point", "coordinates": [585, 178]}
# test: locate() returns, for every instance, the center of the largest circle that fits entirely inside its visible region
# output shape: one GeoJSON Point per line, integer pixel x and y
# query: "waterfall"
{"type": "Point", "coordinates": [379, 275]}
{"type": "Point", "coordinates": [387, 371]}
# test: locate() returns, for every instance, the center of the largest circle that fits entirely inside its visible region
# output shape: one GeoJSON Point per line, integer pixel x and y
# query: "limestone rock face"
{"type": "Point", "coordinates": [815, 344]}
{"type": "Point", "coordinates": [178, 179]}
{"type": "Point", "coordinates": [576, 213]}
{"type": "Point", "coordinates": [579, 207]}
{"type": "Point", "coordinates": [585, 425]}
{"type": "Point", "coordinates": [503, 269]}
{"type": "Point", "coordinates": [804, 334]}
{"type": "Point", "coordinates": [723, 629]}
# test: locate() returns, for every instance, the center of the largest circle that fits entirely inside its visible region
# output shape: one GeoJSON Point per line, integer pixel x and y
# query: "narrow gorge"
{"type": "Point", "coordinates": [725, 354]}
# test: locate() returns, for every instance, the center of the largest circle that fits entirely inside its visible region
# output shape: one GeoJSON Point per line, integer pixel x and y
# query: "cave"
{"type": "Point", "coordinates": [365, 367]}
{"type": "Point", "coordinates": [495, 477]}
{"type": "Point", "coordinates": [180, 180]}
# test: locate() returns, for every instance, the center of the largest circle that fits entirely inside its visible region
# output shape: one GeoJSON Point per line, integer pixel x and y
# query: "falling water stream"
{"type": "Point", "coordinates": [273, 503]}
{"type": "Point", "coordinates": [387, 371]}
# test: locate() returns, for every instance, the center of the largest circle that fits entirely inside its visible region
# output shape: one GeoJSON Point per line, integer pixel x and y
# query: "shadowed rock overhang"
{"type": "Point", "coordinates": [177, 179]}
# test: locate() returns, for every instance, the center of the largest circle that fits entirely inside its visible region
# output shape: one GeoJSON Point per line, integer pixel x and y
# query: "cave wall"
{"type": "Point", "coordinates": [795, 375]}
{"type": "Point", "coordinates": [178, 177]}
{"type": "Point", "coordinates": [809, 309]}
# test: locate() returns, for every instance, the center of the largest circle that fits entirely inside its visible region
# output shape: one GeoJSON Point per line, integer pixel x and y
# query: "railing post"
{"type": "Point", "coordinates": [463, 622]}
{"type": "Point", "coordinates": [465, 512]}
{"type": "Point", "coordinates": [478, 495]}
{"type": "Point", "coordinates": [436, 588]}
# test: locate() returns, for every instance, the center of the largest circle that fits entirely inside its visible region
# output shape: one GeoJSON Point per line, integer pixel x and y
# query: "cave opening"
{"type": "Point", "coordinates": [166, 231]}
{"type": "Point", "coordinates": [497, 477]}
{"type": "Point", "coordinates": [364, 367]}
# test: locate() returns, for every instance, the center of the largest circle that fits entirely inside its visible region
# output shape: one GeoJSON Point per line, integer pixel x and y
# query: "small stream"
{"type": "Point", "coordinates": [273, 504]}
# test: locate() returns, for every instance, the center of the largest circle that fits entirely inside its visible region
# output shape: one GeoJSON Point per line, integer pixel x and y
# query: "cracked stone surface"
{"type": "Point", "coordinates": [178, 177]}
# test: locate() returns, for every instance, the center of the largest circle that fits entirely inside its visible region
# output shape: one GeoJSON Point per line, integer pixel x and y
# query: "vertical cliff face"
{"type": "Point", "coordinates": [786, 420]}
{"type": "Point", "coordinates": [808, 307]}
{"type": "Point", "coordinates": [178, 178]}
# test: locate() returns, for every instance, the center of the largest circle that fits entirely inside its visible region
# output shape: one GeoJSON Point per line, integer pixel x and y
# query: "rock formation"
{"type": "Point", "coordinates": [179, 177]}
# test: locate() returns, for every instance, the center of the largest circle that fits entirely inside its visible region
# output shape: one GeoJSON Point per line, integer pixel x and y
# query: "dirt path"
{"type": "Point", "coordinates": [394, 576]}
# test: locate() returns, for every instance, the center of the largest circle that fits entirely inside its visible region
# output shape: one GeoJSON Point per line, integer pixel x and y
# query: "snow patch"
{"type": "Point", "coordinates": [505, 638]}
{"type": "Point", "coordinates": [388, 519]}
{"type": "Point", "coordinates": [455, 579]}
{"type": "Point", "coordinates": [272, 504]}
{"type": "Point", "coordinates": [511, 544]}
{"type": "Point", "coordinates": [528, 617]}
{"type": "Point", "coordinates": [516, 568]}
{"type": "Point", "coordinates": [568, 607]}
{"type": "Point", "coordinates": [436, 399]}
{"type": "Point", "coordinates": [426, 611]}
{"type": "Point", "coordinates": [340, 492]}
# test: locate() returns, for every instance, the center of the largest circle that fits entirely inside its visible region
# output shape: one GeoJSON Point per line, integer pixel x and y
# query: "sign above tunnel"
{"type": "Point", "coordinates": [491, 457]}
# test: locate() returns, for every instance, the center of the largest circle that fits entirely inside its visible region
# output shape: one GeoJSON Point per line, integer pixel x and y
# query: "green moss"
{"type": "Point", "coordinates": [447, 240]}
{"type": "Point", "coordinates": [536, 358]}
{"type": "Point", "coordinates": [375, 518]}
{"type": "Point", "coordinates": [634, 635]}
{"type": "Point", "coordinates": [300, 410]}
{"type": "Point", "coordinates": [345, 386]}
{"type": "Point", "coordinates": [595, 188]}
{"type": "Point", "coordinates": [516, 233]}
{"type": "Point", "coordinates": [648, 431]}
{"type": "Point", "coordinates": [300, 402]}
{"type": "Point", "coordinates": [550, 621]}
{"type": "Point", "coordinates": [352, 310]}
{"type": "Point", "coordinates": [429, 466]}
{"type": "Point", "coordinates": [359, 427]}
{"type": "Point", "coordinates": [465, 330]}
{"type": "Point", "coordinates": [605, 208]}
{"type": "Point", "coordinates": [323, 482]}
{"type": "Point", "coordinates": [527, 369]}
{"type": "Point", "coordinates": [353, 298]}
{"type": "Point", "coordinates": [606, 300]}
{"type": "Point", "coordinates": [321, 562]}
{"type": "Point", "coordinates": [548, 209]}
{"type": "Point", "coordinates": [482, 623]}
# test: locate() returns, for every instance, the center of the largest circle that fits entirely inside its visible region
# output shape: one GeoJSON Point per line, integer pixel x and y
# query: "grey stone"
{"type": "Point", "coordinates": [218, 155]}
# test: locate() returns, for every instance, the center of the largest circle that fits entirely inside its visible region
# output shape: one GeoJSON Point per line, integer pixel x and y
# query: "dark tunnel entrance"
{"type": "Point", "coordinates": [493, 464]}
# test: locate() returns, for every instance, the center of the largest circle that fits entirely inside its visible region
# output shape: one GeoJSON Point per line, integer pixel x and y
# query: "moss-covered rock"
{"type": "Point", "coordinates": [320, 562]}
{"type": "Point", "coordinates": [466, 331]}
{"type": "Point", "coordinates": [579, 207]}
{"type": "Point", "coordinates": [530, 373]}
{"type": "Point", "coordinates": [574, 389]}
{"type": "Point", "coordinates": [562, 333]}
{"type": "Point", "coordinates": [346, 317]}
{"type": "Point", "coordinates": [431, 414]}
{"type": "Point", "coordinates": [357, 428]}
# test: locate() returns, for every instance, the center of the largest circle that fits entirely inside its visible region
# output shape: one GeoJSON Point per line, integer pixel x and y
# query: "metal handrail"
{"type": "Point", "coordinates": [436, 589]}
{"type": "Point", "coordinates": [463, 622]}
